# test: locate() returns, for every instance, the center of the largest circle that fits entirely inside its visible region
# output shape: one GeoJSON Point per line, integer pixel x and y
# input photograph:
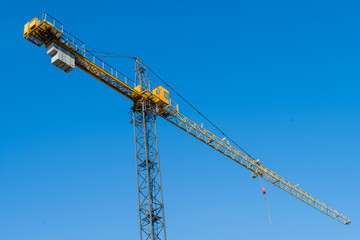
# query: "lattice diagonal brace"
{"type": "Point", "coordinates": [151, 208]}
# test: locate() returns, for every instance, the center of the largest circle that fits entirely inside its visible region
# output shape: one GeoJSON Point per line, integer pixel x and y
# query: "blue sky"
{"type": "Point", "coordinates": [281, 78]}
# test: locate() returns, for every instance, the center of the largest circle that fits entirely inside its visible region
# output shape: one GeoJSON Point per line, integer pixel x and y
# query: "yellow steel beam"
{"type": "Point", "coordinates": [179, 120]}
{"type": "Point", "coordinates": [100, 73]}
{"type": "Point", "coordinates": [42, 32]}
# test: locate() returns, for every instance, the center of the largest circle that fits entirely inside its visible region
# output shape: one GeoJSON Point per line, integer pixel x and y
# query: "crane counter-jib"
{"type": "Point", "coordinates": [42, 32]}
{"type": "Point", "coordinates": [46, 30]}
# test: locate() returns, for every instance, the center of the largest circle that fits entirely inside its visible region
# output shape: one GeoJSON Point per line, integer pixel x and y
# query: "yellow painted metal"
{"type": "Point", "coordinates": [30, 26]}
{"type": "Point", "coordinates": [146, 94]}
{"type": "Point", "coordinates": [40, 33]}
{"type": "Point", "coordinates": [138, 89]}
{"type": "Point", "coordinates": [162, 96]}
{"type": "Point", "coordinates": [44, 32]}
{"type": "Point", "coordinates": [173, 116]}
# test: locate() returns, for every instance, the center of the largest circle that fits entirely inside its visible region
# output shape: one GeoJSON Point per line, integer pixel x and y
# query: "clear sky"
{"type": "Point", "coordinates": [280, 77]}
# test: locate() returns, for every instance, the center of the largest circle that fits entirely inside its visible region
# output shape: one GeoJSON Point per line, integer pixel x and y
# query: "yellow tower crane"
{"type": "Point", "coordinates": [68, 52]}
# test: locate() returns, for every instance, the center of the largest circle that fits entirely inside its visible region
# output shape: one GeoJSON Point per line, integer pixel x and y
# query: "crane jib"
{"type": "Point", "coordinates": [225, 148]}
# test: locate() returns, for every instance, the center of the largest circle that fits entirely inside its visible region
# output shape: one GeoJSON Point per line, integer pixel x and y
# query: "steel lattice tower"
{"type": "Point", "coordinates": [151, 207]}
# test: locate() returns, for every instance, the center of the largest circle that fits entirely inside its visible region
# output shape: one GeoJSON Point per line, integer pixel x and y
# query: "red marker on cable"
{"type": "Point", "coordinates": [264, 192]}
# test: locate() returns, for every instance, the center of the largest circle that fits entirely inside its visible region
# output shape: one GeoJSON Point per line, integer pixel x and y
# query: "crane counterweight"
{"type": "Point", "coordinates": [61, 57]}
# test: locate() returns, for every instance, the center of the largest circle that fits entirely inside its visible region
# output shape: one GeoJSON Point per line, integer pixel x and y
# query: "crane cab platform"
{"type": "Point", "coordinates": [159, 95]}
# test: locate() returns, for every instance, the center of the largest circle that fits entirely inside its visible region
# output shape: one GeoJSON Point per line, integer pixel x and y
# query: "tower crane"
{"type": "Point", "coordinates": [68, 52]}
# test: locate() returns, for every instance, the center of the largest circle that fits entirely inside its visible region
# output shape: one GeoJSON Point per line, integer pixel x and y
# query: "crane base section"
{"type": "Point", "coordinates": [61, 57]}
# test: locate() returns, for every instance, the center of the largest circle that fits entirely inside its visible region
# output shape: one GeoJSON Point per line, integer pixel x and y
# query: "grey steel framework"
{"type": "Point", "coordinates": [151, 207]}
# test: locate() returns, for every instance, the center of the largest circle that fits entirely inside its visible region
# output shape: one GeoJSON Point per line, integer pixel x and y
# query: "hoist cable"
{"type": "Point", "coordinates": [177, 93]}
{"type": "Point", "coordinates": [264, 193]}
{"type": "Point", "coordinates": [193, 107]}
{"type": "Point", "coordinates": [113, 54]}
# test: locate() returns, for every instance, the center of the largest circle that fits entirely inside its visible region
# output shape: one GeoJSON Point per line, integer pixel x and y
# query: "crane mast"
{"type": "Point", "coordinates": [150, 102]}
{"type": "Point", "coordinates": [150, 198]}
